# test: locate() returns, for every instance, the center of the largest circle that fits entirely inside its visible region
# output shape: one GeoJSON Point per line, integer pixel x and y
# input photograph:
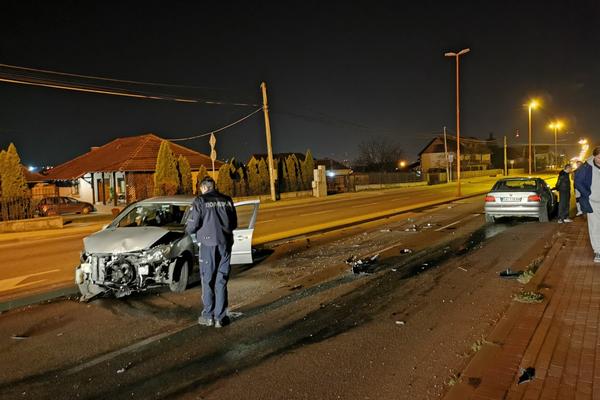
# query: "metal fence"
{"type": "Point", "coordinates": [13, 208]}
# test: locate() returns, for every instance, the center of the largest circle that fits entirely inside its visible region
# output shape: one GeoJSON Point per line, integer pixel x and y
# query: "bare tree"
{"type": "Point", "coordinates": [379, 154]}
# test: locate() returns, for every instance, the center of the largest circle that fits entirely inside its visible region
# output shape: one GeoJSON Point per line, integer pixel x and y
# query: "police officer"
{"type": "Point", "coordinates": [213, 219]}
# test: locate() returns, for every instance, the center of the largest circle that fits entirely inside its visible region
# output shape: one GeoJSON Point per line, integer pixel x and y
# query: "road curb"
{"type": "Point", "coordinates": [38, 298]}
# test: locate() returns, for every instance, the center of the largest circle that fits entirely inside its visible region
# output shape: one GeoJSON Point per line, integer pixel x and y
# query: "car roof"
{"type": "Point", "coordinates": [169, 199]}
{"type": "Point", "coordinates": [519, 179]}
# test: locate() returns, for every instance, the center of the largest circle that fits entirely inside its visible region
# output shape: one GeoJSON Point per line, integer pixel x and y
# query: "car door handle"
{"type": "Point", "coordinates": [241, 237]}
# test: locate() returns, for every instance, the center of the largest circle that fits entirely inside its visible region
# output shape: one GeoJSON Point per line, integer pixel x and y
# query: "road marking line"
{"type": "Point", "coordinates": [11, 283]}
{"type": "Point", "coordinates": [314, 213]}
{"type": "Point", "coordinates": [447, 226]}
{"type": "Point", "coordinates": [262, 222]}
{"type": "Point", "coordinates": [456, 222]}
{"type": "Point", "coordinates": [364, 205]}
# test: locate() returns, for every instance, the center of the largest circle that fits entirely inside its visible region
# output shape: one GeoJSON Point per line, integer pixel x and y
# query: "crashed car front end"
{"type": "Point", "coordinates": [127, 272]}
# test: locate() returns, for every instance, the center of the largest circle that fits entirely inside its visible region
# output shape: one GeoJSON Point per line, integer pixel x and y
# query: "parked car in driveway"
{"type": "Point", "coordinates": [57, 205]}
{"type": "Point", "coordinates": [146, 246]}
{"type": "Point", "coordinates": [520, 197]}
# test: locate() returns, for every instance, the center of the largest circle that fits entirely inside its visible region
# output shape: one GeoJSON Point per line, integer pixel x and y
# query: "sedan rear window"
{"type": "Point", "coordinates": [519, 185]}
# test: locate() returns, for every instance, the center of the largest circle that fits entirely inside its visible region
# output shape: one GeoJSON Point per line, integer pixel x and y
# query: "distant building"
{"type": "Point", "coordinates": [120, 171]}
{"type": "Point", "coordinates": [475, 154]}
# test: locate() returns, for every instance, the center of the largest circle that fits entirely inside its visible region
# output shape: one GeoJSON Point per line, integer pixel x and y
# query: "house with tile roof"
{"type": "Point", "coordinates": [119, 172]}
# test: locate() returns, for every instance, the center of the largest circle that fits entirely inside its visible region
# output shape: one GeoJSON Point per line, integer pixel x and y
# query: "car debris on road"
{"type": "Point", "coordinates": [362, 265]}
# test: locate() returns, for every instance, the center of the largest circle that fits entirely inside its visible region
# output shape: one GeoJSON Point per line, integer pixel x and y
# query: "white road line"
{"type": "Point", "coordinates": [456, 222]}
{"type": "Point", "coordinates": [364, 205]}
{"type": "Point", "coordinates": [447, 226]}
{"type": "Point", "coordinates": [11, 283]}
{"type": "Point", "coordinates": [314, 213]}
{"type": "Point", "coordinates": [266, 220]}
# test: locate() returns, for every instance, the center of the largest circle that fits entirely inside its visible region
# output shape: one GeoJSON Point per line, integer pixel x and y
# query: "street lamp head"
{"type": "Point", "coordinates": [533, 104]}
{"type": "Point", "coordinates": [464, 51]}
{"type": "Point", "coordinates": [450, 54]}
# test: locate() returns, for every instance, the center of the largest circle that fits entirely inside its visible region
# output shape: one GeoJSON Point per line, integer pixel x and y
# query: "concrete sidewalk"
{"type": "Point", "coordinates": [559, 337]}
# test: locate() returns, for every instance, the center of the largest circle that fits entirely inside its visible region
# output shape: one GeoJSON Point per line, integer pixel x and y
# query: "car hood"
{"type": "Point", "coordinates": [123, 240]}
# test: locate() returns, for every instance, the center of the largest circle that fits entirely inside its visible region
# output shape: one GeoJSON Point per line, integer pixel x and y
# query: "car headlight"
{"type": "Point", "coordinates": [156, 254]}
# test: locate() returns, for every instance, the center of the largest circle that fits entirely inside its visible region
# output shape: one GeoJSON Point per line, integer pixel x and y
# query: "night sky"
{"type": "Point", "coordinates": [337, 73]}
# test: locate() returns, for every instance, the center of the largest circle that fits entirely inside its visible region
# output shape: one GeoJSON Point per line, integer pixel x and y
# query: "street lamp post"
{"type": "Point", "coordinates": [457, 56]}
{"type": "Point", "coordinates": [556, 126]}
{"type": "Point", "coordinates": [531, 106]}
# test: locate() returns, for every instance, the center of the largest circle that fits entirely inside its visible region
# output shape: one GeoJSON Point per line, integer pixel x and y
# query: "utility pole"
{"type": "Point", "coordinates": [457, 56]}
{"type": "Point", "coordinates": [263, 86]}
{"type": "Point", "coordinates": [446, 155]}
{"type": "Point", "coordinates": [505, 160]}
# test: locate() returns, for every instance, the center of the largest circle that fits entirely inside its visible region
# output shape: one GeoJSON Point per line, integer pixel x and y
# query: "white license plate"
{"type": "Point", "coordinates": [511, 199]}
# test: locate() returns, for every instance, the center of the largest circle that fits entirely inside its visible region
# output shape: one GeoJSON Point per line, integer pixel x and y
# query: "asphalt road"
{"type": "Point", "coordinates": [40, 264]}
{"type": "Point", "coordinates": [309, 328]}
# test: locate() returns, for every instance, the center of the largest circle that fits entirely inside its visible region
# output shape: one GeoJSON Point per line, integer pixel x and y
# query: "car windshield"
{"type": "Point", "coordinates": [155, 214]}
{"type": "Point", "coordinates": [516, 185]}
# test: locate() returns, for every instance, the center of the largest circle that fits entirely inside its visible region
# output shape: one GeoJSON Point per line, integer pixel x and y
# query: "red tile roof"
{"type": "Point", "coordinates": [134, 153]}
{"type": "Point", "coordinates": [32, 177]}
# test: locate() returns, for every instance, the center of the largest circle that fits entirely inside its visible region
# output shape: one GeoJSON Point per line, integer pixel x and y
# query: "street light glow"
{"type": "Point", "coordinates": [533, 104]}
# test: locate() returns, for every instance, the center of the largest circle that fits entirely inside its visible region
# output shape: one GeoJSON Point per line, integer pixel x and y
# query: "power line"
{"type": "Point", "coordinates": [107, 90]}
{"type": "Point", "coordinates": [217, 130]}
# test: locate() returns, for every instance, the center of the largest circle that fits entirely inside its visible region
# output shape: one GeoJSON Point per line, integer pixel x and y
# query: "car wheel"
{"type": "Point", "coordinates": [543, 217]}
{"type": "Point", "coordinates": [86, 210]}
{"type": "Point", "coordinates": [489, 218]}
{"type": "Point", "coordinates": [182, 273]}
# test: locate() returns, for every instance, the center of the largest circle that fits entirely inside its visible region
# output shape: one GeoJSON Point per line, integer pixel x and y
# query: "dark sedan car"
{"type": "Point", "coordinates": [57, 205]}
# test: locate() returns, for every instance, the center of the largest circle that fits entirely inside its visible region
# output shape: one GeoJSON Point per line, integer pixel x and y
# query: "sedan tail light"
{"type": "Point", "coordinates": [534, 197]}
{"type": "Point", "coordinates": [489, 198]}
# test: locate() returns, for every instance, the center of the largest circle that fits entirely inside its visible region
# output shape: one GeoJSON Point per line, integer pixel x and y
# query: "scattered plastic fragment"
{"type": "Point", "coordinates": [405, 251]}
{"type": "Point", "coordinates": [527, 375]}
{"type": "Point", "coordinates": [412, 228]}
{"type": "Point", "coordinates": [19, 337]}
{"type": "Point", "coordinates": [463, 269]}
{"type": "Point", "coordinates": [509, 273]}
{"type": "Point", "coordinates": [385, 230]}
{"type": "Point", "coordinates": [235, 314]}
{"type": "Point", "coordinates": [125, 368]}
{"type": "Point", "coordinates": [400, 323]}
{"type": "Point", "coordinates": [362, 266]}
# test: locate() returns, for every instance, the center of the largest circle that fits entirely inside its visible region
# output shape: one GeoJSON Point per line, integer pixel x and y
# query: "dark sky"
{"type": "Point", "coordinates": [337, 73]}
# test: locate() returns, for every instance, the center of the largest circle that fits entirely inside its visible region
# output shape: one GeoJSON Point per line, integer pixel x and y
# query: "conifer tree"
{"type": "Point", "coordinates": [202, 173]}
{"type": "Point", "coordinates": [14, 183]}
{"type": "Point", "coordinates": [253, 177]}
{"type": "Point", "coordinates": [224, 181]}
{"type": "Point", "coordinates": [185, 173]}
{"type": "Point", "coordinates": [2, 158]}
{"type": "Point", "coordinates": [284, 179]}
{"type": "Point", "coordinates": [242, 184]}
{"type": "Point", "coordinates": [307, 170]}
{"type": "Point", "coordinates": [291, 163]}
{"type": "Point", "coordinates": [263, 177]}
{"type": "Point", "coordinates": [166, 177]}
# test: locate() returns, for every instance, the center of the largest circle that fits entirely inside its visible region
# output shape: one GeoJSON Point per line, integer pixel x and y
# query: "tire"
{"type": "Point", "coordinates": [543, 217]}
{"type": "Point", "coordinates": [181, 284]}
{"type": "Point", "coordinates": [490, 219]}
{"type": "Point", "coordinates": [85, 210]}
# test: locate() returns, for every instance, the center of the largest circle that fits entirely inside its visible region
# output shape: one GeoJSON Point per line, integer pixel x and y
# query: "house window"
{"type": "Point", "coordinates": [75, 188]}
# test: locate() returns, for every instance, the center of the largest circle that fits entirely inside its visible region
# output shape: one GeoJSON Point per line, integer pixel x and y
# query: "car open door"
{"type": "Point", "coordinates": [247, 212]}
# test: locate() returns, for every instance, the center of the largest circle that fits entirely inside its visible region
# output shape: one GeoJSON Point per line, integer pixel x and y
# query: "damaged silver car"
{"type": "Point", "coordinates": [146, 246]}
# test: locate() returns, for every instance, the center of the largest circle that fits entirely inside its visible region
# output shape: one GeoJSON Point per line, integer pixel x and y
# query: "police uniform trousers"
{"type": "Point", "coordinates": [214, 272]}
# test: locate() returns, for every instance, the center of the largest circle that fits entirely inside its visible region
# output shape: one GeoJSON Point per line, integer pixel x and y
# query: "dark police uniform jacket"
{"type": "Point", "coordinates": [212, 219]}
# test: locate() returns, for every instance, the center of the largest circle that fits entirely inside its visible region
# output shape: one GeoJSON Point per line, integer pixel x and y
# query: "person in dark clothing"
{"type": "Point", "coordinates": [563, 185]}
{"type": "Point", "coordinates": [213, 219]}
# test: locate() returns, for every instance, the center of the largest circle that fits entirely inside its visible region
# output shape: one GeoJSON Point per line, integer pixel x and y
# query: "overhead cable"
{"type": "Point", "coordinates": [217, 130]}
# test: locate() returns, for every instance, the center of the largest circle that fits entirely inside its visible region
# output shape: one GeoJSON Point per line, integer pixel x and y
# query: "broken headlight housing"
{"type": "Point", "coordinates": [156, 254]}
